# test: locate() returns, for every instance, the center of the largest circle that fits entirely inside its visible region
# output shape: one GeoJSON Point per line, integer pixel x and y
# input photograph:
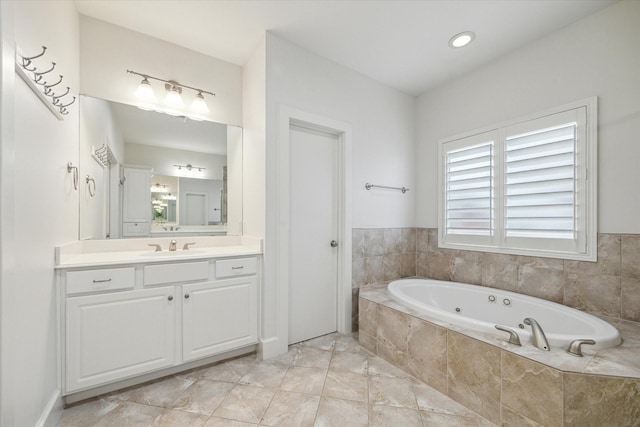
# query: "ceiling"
{"type": "Point", "coordinates": [403, 44]}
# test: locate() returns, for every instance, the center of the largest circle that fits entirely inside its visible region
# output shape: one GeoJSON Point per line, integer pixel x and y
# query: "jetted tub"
{"type": "Point", "coordinates": [479, 308]}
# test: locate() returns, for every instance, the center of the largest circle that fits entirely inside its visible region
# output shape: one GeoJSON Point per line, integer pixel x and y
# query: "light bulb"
{"type": "Point", "coordinates": [199, 105]}
{"type": "Point", "coordinates": [462, 39]}
{"type": "Point", "coordinates": [144, 92]}
{"type": "Point", "coordinates": [173, 98]}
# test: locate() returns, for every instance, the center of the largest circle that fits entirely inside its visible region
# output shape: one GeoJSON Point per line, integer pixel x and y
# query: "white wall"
{"type": "Point", "coordinates": [599, 55]}
{"type": "Point", "coordinates": [382, 121]}
{"type": "Point", "coordinates": [108, 51]}
{"type": "Point", "coordinates": [253, 139]}
{"type": "Point", "coordinates": [39, 207]}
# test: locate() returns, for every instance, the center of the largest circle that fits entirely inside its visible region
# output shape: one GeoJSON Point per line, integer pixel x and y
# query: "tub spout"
{"type": "Point", "coordinates": [513, 335]}
{"type": "Point", "coordinates": [539, 338]}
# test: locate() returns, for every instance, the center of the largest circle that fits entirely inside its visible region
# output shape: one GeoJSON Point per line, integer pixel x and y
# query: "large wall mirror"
{"type": "Point", "coordinates": [149, 174]}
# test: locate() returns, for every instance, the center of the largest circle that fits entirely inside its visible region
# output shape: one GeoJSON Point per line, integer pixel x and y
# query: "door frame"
{"type": "Point", "coordinates": [343, 132]}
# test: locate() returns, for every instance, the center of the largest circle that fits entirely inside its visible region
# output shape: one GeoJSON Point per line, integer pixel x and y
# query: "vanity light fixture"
{"type": "Point", "coordinates": [173, 99]}
{"type": "Point", "coordinates": [190, 167]}
{"type": "Point", "coordinates": [461, 39]}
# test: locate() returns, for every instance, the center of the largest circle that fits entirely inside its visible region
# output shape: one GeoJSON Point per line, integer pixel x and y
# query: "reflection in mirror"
{"type": "Point", "coordinates": [157, 175]}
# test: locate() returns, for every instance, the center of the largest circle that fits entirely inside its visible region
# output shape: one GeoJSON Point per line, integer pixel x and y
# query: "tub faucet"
{"type": "Point", "coordinates": [539, 338]}
{"type": "Point", "coordinates": [172, 245]}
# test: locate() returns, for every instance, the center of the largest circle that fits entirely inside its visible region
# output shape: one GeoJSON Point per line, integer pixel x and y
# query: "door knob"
{"type": "Point", "coordinates": [334, 244]}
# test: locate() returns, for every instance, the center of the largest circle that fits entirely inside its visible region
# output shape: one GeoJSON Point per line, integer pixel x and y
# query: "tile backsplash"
{"type": "Point", "coordinates": [608, 287]}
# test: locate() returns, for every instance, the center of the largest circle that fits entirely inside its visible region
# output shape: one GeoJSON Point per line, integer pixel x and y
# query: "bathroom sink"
{"type": "Point", "coordinates": [178, 252]}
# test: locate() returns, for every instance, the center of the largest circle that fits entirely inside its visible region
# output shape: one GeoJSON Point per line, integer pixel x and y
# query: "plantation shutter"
{"type": "Point", "coordinates": [543, 191]}
{"type": "Point", "coordinates": [469, 175]}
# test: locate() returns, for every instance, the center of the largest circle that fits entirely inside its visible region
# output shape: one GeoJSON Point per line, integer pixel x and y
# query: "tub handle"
{"type": "Point", "coordinates": [575, 347]}
{"type": "Point", "coordinates": [513, 335]}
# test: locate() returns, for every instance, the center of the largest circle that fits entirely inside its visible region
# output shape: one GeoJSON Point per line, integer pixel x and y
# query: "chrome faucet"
{"type": "Point", "coordinates": [539, 338]}
{"type": "Point", "coordinates": [172, 245]}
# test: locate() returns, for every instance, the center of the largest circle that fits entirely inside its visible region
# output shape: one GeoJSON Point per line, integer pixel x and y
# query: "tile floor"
{"type": "Point", "coordinates": [327, 381]}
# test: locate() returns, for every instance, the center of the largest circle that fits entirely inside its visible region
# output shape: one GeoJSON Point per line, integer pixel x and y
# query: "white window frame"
{"type": "Point", "coordinates": [585, 248]}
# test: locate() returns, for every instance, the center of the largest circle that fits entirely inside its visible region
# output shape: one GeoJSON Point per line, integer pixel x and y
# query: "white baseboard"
{"type": "Point", "coordinates": [52, 412]}
{"type": "Point", "coordinates": [272, 347]}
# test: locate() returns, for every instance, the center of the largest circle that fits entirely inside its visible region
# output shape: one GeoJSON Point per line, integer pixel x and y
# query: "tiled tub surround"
{"type": "Point", "coordinates": [609, 287]}
{"type": "Point", "coordinates": [507, 385]}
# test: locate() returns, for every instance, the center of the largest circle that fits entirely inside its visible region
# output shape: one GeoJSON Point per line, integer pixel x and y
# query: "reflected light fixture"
{"type": "Point", "coordinates": [461, 39]}
{"type": "Point", "coordinates": [190, 167]}
{"type": "Point", "coordinates": [173, 99]}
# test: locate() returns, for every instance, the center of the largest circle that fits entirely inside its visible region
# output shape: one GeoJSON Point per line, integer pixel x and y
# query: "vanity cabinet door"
{"type": "Point", "coordinates": [219, 316]}
{"type": "Point", "coordinates": [117, 335]}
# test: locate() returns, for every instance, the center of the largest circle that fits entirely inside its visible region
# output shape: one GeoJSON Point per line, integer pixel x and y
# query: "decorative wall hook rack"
{"type": "Point", "coordinates": [40, 84]}
{"type": "Point", "coordinates": [370, 186]}
{"type": "Point", "coordinates": [103, 155]}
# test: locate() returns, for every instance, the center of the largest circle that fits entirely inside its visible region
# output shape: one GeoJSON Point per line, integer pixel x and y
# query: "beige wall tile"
{"type": "Point", "coordinates": [440, 265]}
{"type": "Point", "coordinates": [357, 243]}
{"type": "Point", "coordinates": [368, 317]}
{"type": "Point", "coordinates": [427, 352]}
{"type": "Point", "coordinates": [408, 241]}
{"type": "Point", "coordinates": [422, 264]}
{"type": "Point", "coordinates": [373, 242]}
{"type": "Point", "coordinates": [392, 266]}
{"type": "Point", "coordinates": [367, 341]}
{"type": "Point", "coordinates": [500, 275]}
{"type": "Point", "coordinates": [467, 267]}
{"type": "Point", "coordinates": [357, 272]}
{"type": "Point", "coordinates": [532, 389]}
{"type": "Point", "coordinates": [392, 238]}
{"type": "Point", "coordinates": [630, 308]}
{"type": "Point", "coordinates": [408, 262]}
{"type": "Point", "coordinates": [422, 240]}
{"type": "Point", "coordinates": [595, 294]}
{"type": "Point", "coordinates": [474, 375]}
{"type": "Point", "coordinates": [601, 401]}
{"type": "Point", "coordinates": [609, 258]}
{"type": "Point", "coordinates": [512, 419]}
{"type": "Point", "coordinates": [393, 328]}
{"type": "Point", "coordinates": [546, 282]}
{"type": "Point", "coordinates": [373, 270]}
{"type": "Point", "coordinates": [631, 255]}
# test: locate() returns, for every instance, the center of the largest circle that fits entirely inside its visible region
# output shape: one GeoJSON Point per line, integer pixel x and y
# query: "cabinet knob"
{"type": "Point", "coordinates": [186, 296]}
{"type": "Point", "coordinates": [170, 297]}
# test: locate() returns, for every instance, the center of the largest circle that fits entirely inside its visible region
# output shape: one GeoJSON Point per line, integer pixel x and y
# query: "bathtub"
{"type": "Point", "coordinates": [480, 308]}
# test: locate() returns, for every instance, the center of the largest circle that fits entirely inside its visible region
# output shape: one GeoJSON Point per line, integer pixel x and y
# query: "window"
{"type": "Point", "coordinates": [526, 187]}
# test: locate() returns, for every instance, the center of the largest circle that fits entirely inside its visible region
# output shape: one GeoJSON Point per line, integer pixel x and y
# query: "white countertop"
{"type": "Point", "coordinates": [102, 253]}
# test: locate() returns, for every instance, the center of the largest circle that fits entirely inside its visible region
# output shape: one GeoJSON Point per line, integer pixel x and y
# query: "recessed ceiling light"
{"type": "Point", "coordinates": [462, 39]}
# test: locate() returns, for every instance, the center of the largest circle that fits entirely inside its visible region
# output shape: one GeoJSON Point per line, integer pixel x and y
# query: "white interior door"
{"type": "Point", "coordinates": [314, 225]}
{"type": "Point", "coordinates": [196, 209]}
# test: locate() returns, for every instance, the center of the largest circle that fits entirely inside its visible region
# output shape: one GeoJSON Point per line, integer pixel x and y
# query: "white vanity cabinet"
{"type": "Point", "coordinates": [126, 321]}
{"type": "Point", "coordinates": [218, 316]}
{"type": "Point", "coordinates": [119, 334]}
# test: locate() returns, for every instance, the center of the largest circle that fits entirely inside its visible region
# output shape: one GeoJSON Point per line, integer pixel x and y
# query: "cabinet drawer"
{"type": "Point", "coordinates": [175, 273]}
{"type": "Point", "coordinates": [100, 280]}
{"type": "Point", "coordinates": [135, 229]}
{"type": "Point", "coordinates": [236, 267]}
